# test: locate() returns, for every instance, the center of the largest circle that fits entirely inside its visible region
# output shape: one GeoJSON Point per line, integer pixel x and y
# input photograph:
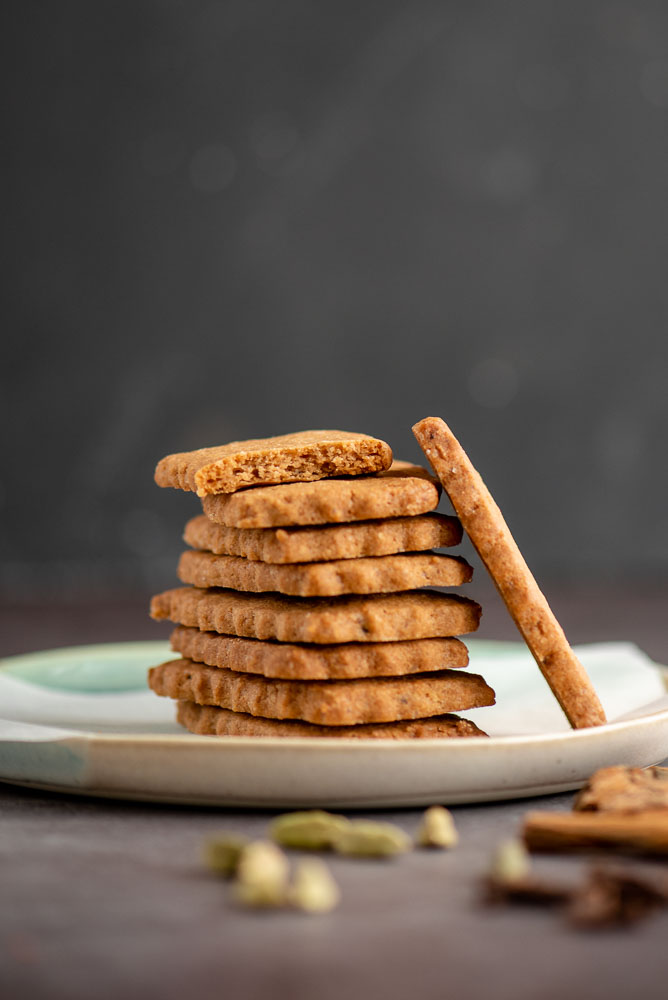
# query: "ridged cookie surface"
{"type": "Point", "coordinates": [401, 491]}
{"type": "Point", "coordinates": [325, 542]}
{"type": "Point", "coordinates": [205, 720]}
{"type": "Point", "coordinates": [485, 525]}
{"type": "Point", "coordinates": [372, 575]}
{"type": "Point", "coordinates": [288, 458]}
{"type": "Point", "coordinates": [290, 661]}
{"type": "Point", "coordinates": [324, 703]}
{"type": "Point", "coordinates": [418, 614]}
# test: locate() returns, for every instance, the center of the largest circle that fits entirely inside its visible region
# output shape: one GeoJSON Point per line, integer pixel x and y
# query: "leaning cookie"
{"type": "Point", "coordinates": [287, 458]}
{"type": "Point", "coordinates": [484, 524]}
{"type": "Point", "coordinates": [206, 720]}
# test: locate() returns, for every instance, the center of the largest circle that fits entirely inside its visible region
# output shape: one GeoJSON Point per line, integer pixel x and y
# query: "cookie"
{"type": "Point", "coordinates": [401, 491]}
{"type": "Point", "coordinates": [288, 458]}
{"type": "Point", "coordinates": [484, 524]}
{"type": "Point", "coordinates": [341, 661]}
{"type": "Point", "coordinates": [375, 575]}
{"type": "Point", "coordinates": [324, 703]}
{"type": "Point", "coordinates": [420, 614]}
{"type": "Point", "coordinates": [205, 720]}
{"type": "Point", "coordinates": [325, 542]}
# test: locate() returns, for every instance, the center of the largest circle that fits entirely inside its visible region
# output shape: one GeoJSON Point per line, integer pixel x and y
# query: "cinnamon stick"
{"type": "Point", "coordinates": [644, 832]}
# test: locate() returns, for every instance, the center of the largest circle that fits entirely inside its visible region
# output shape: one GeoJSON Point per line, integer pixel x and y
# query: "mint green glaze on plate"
{"type": "Point", "coordinates": [102, 669]}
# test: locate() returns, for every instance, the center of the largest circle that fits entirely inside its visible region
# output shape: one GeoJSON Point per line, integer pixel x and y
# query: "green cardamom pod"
{"type": "Point", "coordinates": [313, 830]}
{"type": "Point", "coordinates": [372, 840]}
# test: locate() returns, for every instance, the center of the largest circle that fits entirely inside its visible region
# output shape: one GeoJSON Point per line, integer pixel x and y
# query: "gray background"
{"type": "Point", "coordinates": [237, 219]}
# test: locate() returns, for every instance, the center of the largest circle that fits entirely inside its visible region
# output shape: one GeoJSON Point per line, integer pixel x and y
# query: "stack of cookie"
{"type": "Point", "coordinates": [304, 612]}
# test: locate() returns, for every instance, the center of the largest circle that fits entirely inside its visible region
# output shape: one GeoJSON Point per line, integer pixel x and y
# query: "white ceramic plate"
{"type": "Point", "coordinates": [81, 720]}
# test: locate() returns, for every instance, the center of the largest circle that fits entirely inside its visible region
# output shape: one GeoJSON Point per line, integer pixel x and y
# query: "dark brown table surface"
{"type": "Point", "coordinates": [104, 898]}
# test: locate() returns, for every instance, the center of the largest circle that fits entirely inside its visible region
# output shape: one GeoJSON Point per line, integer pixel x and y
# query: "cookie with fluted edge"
{"type": "Point", "coordinates": [299, 661]}
{"type": "Point", "coordinates": [373, 575]}
{"type": "Point", "coordinates": [287, 458]}
{"type": "Point", "coordinates": [417, 614]}
{"type": "Point", "coordinates": [401, 491]}
{"type": "Point", "coordinates": [206, 720]}
{"type": "Point", "coordinates": [484, 524]}
{"type": "Point", "coordinates": [325, 542]}
{"type": "Point", "coordinates": [324, 703]}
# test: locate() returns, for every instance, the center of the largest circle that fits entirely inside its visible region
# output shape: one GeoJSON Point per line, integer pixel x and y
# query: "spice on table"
{"type": "Point", "coordinates": [437, 828]}
{"type": "Point", "coordinates": [620, 809]}
{"type": "Point", "coordinates": [510, 879]}
{"type": "Point", "coordinates": [222, 853]}
{"type": "Point", "coordinates": [624, 789]}
{"type": "Point", "coordinates": [643, 832]}
{"type": "Point", "coordinates": [312, 830]}
{"type": "Point", "coordinates": [372, 840]}
{"type": "Point", "coordinates": [614, 897]}
{"type": "Point", "coordinates": [510, 861]}
{"type": "Point", "coordinates": [262, 875]}
{"type": "Point", "coordinates": [313, 889]}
